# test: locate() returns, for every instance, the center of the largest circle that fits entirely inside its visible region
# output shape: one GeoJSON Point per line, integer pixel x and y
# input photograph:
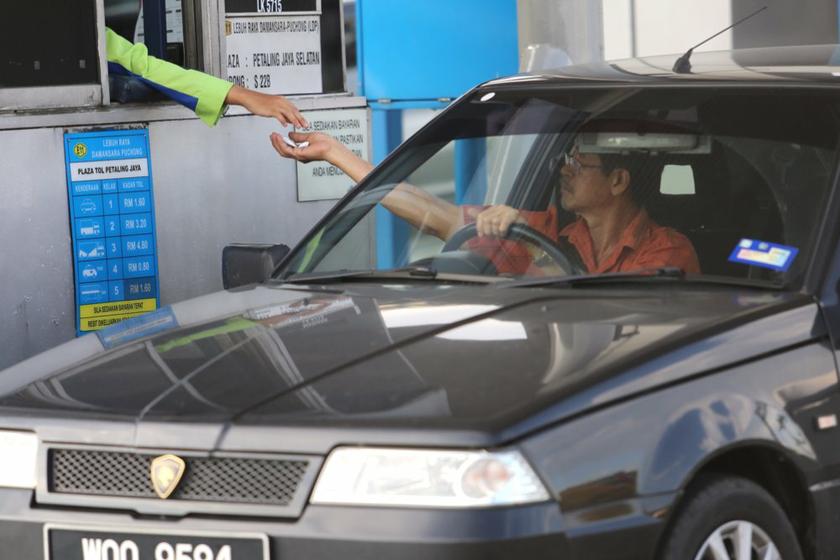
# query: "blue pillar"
{"type": "Point", "coordinates": [413, 54]}
{"type": "Point", "coordinates": [391, 232]}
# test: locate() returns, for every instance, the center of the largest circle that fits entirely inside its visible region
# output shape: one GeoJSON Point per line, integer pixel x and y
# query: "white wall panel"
{"type": "Point", "coordinates": [36, 269]}
{"type": "Point", "coordinates": [212, 187]}
{"type": "Point", "coordinates": [650, 27]}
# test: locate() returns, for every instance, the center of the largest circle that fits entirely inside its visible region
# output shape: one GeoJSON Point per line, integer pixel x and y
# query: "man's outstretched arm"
{"type": "Point", "coordinates": [419, 208]}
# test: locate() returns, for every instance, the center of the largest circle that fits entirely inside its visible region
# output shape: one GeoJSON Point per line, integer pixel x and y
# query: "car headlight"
{"type": "Point", "coordinates": [19, 452]}
{"type": "Point", "coordinates": [427, 478]}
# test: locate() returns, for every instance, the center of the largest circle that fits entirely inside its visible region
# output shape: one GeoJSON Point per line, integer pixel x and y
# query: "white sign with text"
{"type": "Point", "coordinates": [275, 54]}
{"type": "Point", "coordinates": [320, 180]}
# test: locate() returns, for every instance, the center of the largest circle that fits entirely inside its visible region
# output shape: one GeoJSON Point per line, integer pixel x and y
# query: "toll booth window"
{"type": "Point", "coordinates": [48, 43]}
{"type": "Point", "coordinates": [125, 17]}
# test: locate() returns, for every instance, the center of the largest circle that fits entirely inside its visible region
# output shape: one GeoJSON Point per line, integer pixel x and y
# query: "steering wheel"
{"type": "Point", "coordinates": [520, 232]}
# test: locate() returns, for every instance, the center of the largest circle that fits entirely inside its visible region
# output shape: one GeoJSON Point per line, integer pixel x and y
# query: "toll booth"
{"type": "Point", "coordinates": [109, 208]}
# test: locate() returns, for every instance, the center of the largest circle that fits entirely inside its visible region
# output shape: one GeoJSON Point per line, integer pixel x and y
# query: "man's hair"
{"type": "Point", "coordinates": [645, 172]}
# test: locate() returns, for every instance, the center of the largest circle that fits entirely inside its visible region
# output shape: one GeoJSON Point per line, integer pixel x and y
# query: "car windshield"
{"type": "Point", "coordinates": [723, 181]}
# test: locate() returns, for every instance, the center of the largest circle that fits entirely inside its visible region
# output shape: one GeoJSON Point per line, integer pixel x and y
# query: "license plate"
{"type": "Point", "coordinates": [78, 543]}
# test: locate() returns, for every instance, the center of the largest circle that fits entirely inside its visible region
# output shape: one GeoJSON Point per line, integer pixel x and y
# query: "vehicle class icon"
{"type": "Point", "coordinates": [89, 273]}
{"type": "Point", "coordinates": [95, 251]}
{"type": "Point", "coordinates": [87, 207]}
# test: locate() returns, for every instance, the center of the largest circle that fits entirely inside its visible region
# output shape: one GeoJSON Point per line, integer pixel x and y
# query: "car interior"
{"type": "Point", "coordinates": [730, 202]}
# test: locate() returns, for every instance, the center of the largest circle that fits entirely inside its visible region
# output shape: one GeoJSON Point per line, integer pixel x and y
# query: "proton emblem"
{"type": "Point", "coordinates": [166, 472]}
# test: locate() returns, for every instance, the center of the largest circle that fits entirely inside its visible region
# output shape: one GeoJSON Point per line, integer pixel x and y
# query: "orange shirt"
{"type": "Point", "coordinates": [644, 244]}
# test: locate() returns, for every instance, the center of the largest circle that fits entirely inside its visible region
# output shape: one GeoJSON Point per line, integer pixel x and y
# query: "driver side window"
{"type": "Point", "coordinates": [468, 171]}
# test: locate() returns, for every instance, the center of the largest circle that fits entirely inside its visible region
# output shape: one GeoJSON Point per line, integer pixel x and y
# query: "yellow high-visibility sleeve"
{"type": "Point", "coordinates": [202, 93]}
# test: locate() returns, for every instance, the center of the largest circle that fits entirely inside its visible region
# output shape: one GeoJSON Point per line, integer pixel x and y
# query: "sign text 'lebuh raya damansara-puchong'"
{"type": "Point", "coordinates": [112, 226]}
{"type": "Point", "coordinates": [278, 54]}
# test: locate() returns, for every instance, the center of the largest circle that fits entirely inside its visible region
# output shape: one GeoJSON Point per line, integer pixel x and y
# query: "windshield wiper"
{"type": "Point", "coordinates": [668, 273]}
{"type": "Point", "coordinates": [405, 273]}
{"type": "Point", "coordinates": [561, 281]}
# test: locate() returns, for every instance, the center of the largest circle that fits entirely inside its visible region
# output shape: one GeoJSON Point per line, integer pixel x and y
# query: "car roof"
{"type": "Point", "coordinates": [795, 64]}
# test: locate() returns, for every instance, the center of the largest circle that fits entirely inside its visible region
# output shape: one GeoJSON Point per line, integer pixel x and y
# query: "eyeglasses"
{"type": "Point", "coordinates": [569, 159]}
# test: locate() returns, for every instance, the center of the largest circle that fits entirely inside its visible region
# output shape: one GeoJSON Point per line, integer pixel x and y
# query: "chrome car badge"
{"type": "Point", "coordinates": [166, 472]}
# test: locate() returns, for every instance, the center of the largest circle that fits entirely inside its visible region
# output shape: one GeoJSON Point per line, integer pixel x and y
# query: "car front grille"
{"type": "Point", "coordinates": [125, 474]}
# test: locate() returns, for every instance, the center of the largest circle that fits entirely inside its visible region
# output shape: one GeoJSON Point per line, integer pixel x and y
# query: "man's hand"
{"type": "Point", "coordinates": [496, 220]}
{"type": "Point", "coordinates": [264, 105]}
{"type": "Point", "coordinates": [320, 147]}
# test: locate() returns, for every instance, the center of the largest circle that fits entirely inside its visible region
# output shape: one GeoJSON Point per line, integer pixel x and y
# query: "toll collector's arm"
{"type": "Point", "coordinates": [202, 93]}
{"type": "Point", "coordinates": [421, 209]}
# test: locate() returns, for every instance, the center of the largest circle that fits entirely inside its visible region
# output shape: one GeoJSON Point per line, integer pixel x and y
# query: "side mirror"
{"type": "Point", "coordinates": [246, 264]}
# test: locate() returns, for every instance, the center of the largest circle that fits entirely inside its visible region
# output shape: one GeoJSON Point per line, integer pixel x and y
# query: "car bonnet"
{"type": "Point", "coordinates": [401, 356]}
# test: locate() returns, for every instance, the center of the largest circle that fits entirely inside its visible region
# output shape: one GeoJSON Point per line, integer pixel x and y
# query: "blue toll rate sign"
{"type": "Point", "coordinates": [112, 225]}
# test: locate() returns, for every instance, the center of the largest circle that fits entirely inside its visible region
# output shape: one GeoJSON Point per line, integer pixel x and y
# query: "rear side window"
{"type": "Point", "coordinates": [677, 180]}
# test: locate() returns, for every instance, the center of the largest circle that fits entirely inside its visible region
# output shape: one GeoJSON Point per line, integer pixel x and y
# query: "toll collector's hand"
{"type": "Point", "coordinates": [266, 105]}
{"type": "Point", "coordinates": [496, 220]}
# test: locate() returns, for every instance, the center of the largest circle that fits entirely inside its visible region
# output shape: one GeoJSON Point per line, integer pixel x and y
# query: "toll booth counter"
{"type": "Point", "coordinates": [116, 200]}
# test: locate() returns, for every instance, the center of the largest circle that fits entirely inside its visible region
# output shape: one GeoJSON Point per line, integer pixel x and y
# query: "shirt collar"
{"type": "Point", "coordinates": [630, 237]}
{"type": "Point", "coordinates": [635, 230]}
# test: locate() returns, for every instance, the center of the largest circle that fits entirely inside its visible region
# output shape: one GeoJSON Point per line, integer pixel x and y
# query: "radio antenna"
{"type": "Point", "coordinates": [683, 63]}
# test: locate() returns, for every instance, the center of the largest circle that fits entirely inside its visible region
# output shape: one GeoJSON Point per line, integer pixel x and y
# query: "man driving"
{"type": "Point", "coordinates": [611, 233]}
